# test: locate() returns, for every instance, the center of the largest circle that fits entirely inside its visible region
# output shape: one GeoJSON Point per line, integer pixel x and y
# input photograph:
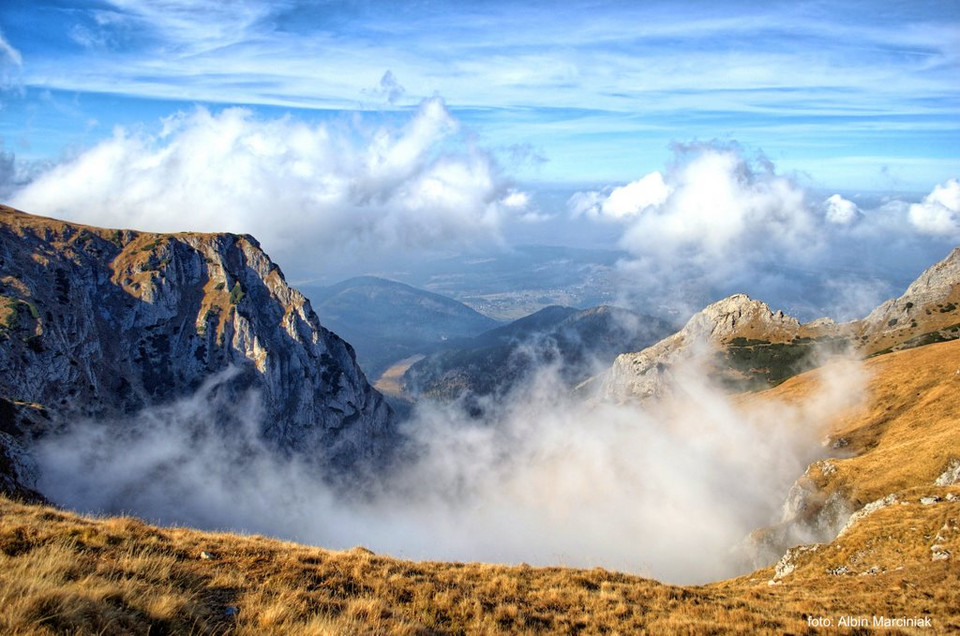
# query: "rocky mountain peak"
{"type": "Point", "coordinates": [763, 340]}
{"type": "Point", "coordinates": [740, 316]}
{"type": "Point", "coordinates": [929, 309]}
{"type": "Point", "coordinates": [750, 346]}
{"type": "Point", "coordinates": [100, 323]}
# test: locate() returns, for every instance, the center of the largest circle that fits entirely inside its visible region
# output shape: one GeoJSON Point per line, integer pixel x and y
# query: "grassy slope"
{"type": "Point", "coordinates": [63, 573]}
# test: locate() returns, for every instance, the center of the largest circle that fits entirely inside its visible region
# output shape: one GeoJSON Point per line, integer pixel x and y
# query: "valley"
{"type": "Point", "coordinates": [60, 571]}
{"type": "Point", "coordinates": [430, 318]}
{"type": "Point", "coordinates": [823, 454]}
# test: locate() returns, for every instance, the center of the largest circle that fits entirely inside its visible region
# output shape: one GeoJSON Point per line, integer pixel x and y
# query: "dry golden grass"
{"type": "Point", "coordinates": [63, 573]}
{"type": "Point", "coordinates": [907, 431]}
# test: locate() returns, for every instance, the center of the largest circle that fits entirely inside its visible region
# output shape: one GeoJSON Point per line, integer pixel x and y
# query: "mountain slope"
{"type": "Point", "coordinates": [896, 562]}
{"type": "Point", "coordinates": [574, 341]}
{"type": "Point", "coordinates": [387, 321]}
{"type": "Point", "coordinates": [928, 311]}
{"type": "Point", "coordinates": [900, 448]}
{"type": "Point", "coordinates": [98, 323]}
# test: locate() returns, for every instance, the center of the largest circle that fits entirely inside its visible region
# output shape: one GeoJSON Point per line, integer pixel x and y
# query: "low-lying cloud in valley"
{"type": "Point", "coordinates": [667, 490]}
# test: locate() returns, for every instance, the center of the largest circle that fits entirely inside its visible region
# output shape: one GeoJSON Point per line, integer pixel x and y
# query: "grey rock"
{"type": "Point", "coordinates": [108, 322]}
{"type": "Point", "coordinates": [951, 475]}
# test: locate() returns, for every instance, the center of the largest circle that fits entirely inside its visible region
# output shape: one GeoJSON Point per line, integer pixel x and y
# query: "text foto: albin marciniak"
{"type": "Point", "coordinates": [870, 621]}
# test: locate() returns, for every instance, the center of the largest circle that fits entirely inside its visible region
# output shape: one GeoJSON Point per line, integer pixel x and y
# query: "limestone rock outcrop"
{"type": "Point", "coordinates": [98, 323]}
{"type": "Point", "coordinates": [742, 344]}
{"type": "Point", "coordinates": [746, 327]}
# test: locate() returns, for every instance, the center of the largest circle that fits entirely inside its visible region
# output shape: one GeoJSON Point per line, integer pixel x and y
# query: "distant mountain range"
{"type": "Point", "coordinates": [387, 321]}
{"type": "Point", "coordinates": [575, 343]}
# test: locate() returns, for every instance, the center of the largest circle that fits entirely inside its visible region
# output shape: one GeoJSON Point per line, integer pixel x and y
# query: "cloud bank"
{"type": "Point", "coordinates": [297, 187]}
{"type": "Point", "coordinates": [939, 212]}
{"type": "Point", "coordinates": [666, 490]}
{"type": "Point", "coordinates": [718, 221]}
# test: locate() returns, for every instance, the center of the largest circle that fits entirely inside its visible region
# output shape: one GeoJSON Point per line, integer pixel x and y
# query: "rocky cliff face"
{"type": "Point", "coordinates": [740, 341]}
{"type": "Point", "coordinates": [927, 312]}
{"type": "Point", "coordinates": [101, 323]}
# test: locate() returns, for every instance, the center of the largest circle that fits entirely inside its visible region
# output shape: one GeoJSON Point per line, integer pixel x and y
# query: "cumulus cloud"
{"type": "Point", "coordinates": [717, 221]}
{"type": "Point", "coordinates": [939, 212]}
{"type": "Point", "coordinates": [650, 191]}
{"type": "Point", "coordinates": [713, 204]}
{"type": "Point", "coordinates": [300, 188]}
{"type": "Point", "coordinates": [714, 218]}
{"type": "Point", "coordinates": [841, 211]}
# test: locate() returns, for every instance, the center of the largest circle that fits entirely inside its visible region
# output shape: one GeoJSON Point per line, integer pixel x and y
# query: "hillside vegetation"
{"type": "Point", "coordinates": [63, 573]}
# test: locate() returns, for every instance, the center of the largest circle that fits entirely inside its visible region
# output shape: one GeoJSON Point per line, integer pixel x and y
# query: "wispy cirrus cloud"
{"type": "Point", "coordinates": [591, 80]}
{"type": "Point", "coordinates": [493, 58]}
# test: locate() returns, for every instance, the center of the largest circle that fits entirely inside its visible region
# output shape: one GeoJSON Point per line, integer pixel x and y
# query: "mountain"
{"type": "Point", "coordinates": [387, 321]}
{"type": "Point", "coordinates": [99, 324]}
{"type": "Point", "coordinates": [927, 312]}
{"type": "Point", "coordinates": [894, 566]}
{"type": "Point", "coordinates": [891, 470]}
{"type": "Point", "coordinates": [744, 345]}
{"type": "Point", "coordinates": [574, 341]}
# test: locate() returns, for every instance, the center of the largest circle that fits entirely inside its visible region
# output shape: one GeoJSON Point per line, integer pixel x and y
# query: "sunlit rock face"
{"type": "Point", "coordinates": [744, 345]}
{"type": "Point", "coordinates": [98, 323]}
{"type": "Point", "coordinates": [927, 312]}
{"type": "Point", "coordinates": [738, 341]}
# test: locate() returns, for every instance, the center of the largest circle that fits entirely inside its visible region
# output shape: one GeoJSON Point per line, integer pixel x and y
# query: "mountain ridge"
{"type": "Point", "coordinates": [746, 345]}
{"type": "Point", "coordinates": [496, 361]}
{"type": "Point", "coordinates": [99, 323]}
{"type": "Point", "coordinates": [419, 320]}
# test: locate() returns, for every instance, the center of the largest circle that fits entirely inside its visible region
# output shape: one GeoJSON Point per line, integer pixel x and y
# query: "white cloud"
{"type": "Point", "coordinates": [713, 206]}
{"type": "Point", "coordinates": [939, 212]}
{"type": "Point", "coordinates": [664, 490]}
{"type": "Point", "coordinates": [8, 52]}
{"type": "Point", "coordinates": [299, 188]}
{"type": "Point", "coordinates": [841, 211]}
{"type": "Point", "coordinates": [624, 202]}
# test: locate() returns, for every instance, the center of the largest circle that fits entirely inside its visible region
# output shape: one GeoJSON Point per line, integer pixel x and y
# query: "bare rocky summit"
{"type": "Point", "coordinates": [98, 323]}
{"type": "Point", "coordinates": [927, 312]}
{"type": "Point", "coordinates": [745, 345]}
{"type": "Point", "coordinates": [741, 341]}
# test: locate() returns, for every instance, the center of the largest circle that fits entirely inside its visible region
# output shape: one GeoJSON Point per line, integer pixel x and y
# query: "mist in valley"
{"type": "Point", "coordinates": [668, 490]}
{"type": "Point", "coordinates": [544, 475]}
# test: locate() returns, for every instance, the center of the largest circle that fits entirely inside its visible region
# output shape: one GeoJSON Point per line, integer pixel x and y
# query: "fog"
{"type": "Point", "coordinates": [666, 490]}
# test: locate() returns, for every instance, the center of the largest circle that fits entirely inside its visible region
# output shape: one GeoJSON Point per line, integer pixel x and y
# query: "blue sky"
{"type": "Point", "coordinates": [708, 140]}
{"type": "Point", "coordinates": [852, 95]}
